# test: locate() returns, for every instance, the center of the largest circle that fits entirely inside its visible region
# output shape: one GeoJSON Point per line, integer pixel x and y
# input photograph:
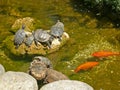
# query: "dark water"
{"type": "Point", "coordinates": [87, 35]}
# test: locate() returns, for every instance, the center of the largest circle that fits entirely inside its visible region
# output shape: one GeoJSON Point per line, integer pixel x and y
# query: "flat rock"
{"type": "Point", "coordinates": [17, 81]}
{"type": "Point", "coordinates": [67, 85]}
{"type": "Point", "coordinates": [53, 75]}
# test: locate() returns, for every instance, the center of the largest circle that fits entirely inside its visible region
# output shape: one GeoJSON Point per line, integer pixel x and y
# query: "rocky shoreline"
{"type": "Point", "coordinates": [12, 80]}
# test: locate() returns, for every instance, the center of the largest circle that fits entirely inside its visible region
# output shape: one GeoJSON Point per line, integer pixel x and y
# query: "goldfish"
{"type": "Point", "coordinates": [86, 66]}
{"type": "Point", "coordinates": [104, 54]}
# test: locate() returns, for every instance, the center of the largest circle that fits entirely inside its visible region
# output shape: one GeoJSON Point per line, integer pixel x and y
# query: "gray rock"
{"type": "Point", "coordinates": [2, 70]}
{"type": "Point", "coordinates": [67, 85]}
{"type": "Point", "coordinates": [17, 81]}
{"type": "Point", "coordinates": [53, 75]}
{"type": "Point", "coordinates": [41, 69]}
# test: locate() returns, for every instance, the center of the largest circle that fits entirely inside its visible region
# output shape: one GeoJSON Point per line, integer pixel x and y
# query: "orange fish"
{"type": "Point", "coordinates": [86, 66]}
{"type": "Point", "coordinates": [104, 54]}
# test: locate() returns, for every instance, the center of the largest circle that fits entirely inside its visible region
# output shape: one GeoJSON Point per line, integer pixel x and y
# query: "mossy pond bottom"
{"type": "Point", "coordinates": [87, 35]}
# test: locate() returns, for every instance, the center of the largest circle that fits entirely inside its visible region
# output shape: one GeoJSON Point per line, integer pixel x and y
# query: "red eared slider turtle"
{"type": "Point", "coordinates": [41, 36]}
{"type": "Point", "coordinates": [57, 30]}
{"type": "Point", "coordinates": [29, 40]}
{"type": "Point", "coordinates": [19, 37]}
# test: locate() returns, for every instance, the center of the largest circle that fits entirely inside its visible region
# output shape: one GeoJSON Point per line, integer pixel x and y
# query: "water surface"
{"type": "Point", "coordinates": [87, 35]}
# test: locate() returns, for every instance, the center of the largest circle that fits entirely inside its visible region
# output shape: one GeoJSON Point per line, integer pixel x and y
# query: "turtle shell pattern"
{"type": "Point", "coordinates": [57, 29]}
{"type": "Point", "coordinates": [41, 36]}
{"type": "Point", "coordinates": [19, 37]}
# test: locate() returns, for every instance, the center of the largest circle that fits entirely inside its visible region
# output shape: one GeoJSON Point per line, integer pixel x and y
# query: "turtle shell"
{"type": "Point", "coordinates": [59, 24]}
{"type": "Point", "coordinates": [41, 36]}
{"type": "Point", "coordinates": [29, 40]}
{"type": "Point", "coordinates": [56, 31]}
{"type": "Point", "coordinates": [19, 37]}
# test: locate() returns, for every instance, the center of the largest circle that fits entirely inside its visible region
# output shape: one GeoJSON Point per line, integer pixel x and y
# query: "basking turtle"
{"type": "Point", "coordinates": [45, 60]}
{"type": "Point", "coordinates": [41, 36]}
{"type": "Point", "coordinates": [57, 30]}
{"type": "Point", "coordinates": [29, 40]}
{"type": "Point", "coordinates": [19, 37]}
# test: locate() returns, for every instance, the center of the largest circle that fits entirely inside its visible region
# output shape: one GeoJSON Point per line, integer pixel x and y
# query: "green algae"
{"type": "Point", "coordinates": [87, 34]}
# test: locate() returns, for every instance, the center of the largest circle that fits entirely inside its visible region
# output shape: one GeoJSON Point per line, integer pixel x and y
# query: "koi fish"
{"type": "Point", "coordinates": [86, 66]}
{"type": "Point", "coordinates": [104, 54]}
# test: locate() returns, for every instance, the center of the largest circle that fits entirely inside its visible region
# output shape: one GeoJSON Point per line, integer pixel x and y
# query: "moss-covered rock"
{"type": "Point", "coordinates": [33, 49]}
{"type": "Point", "coordinates": [28, 21]}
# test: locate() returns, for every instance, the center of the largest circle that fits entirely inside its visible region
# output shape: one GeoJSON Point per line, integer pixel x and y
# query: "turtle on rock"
{"type": "Point", "coordinates": [57, 30]}
{"type": "Point", "coordinates": [29, 40]}
{"type": "Point", "coordinates": [19, 37]}
{"type": "Point", "coordinates": [42, 36]}
{"type": "Point", "coordinates": [41, 69]}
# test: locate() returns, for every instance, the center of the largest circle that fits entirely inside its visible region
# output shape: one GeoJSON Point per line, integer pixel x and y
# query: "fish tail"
{"type": "Point", "coordinates": [77, 69]}
{"type": "Point", "coordinates": [117, 53]}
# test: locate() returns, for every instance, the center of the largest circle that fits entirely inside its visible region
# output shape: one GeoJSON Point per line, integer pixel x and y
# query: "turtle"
{"type": "Point", "coordinates": [29, 40]}
{"type": "Point", "coordinates": [57, 30]}
{"type": "Point", "coordinates": [19, 37]}
{"type": "Point", "coordinates": [45, 60]}
{"type": "Point", "coordinates": [43, 37]}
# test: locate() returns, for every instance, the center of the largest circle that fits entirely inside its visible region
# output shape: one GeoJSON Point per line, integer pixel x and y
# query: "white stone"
{"type": "Point", "coordinates": [2, 70]}
{"type": "Point", "coordinates": [55, 42]}
{"type": "Point", "coordinates": [67, 85]}
{"type": "Point", "coordinates": [66, 35]}
{"type": "Point", "coordinates": [17, 81]}
{"type": "Point", "coordinates": [28, 33]}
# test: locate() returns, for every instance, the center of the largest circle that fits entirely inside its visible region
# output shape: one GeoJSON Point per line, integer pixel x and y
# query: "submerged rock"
{"type": "Point", "coordinates": [41, 69]}
{"type": "Point", "coordinates": [2, 70]}
{"type": "Point", "coordinates": [53, 75]}
{"type": "Point", "coordinates": [17, 81]}
{"type": "Point", "coordinates": [67, 85]}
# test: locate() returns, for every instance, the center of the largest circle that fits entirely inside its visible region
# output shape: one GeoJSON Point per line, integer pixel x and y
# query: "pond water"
{"type": "Point", "coordinates": [87, 35]}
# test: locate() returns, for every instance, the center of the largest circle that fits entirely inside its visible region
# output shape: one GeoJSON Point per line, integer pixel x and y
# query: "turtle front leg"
{"type": "Point", "coordinates": [59, 38]}
{"type": "Point", "coordinates": [48, 44]}
{"type": "Point", "coordinates": [36, 43]}
{"type": "Point", "coordinates": [17, 46]}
